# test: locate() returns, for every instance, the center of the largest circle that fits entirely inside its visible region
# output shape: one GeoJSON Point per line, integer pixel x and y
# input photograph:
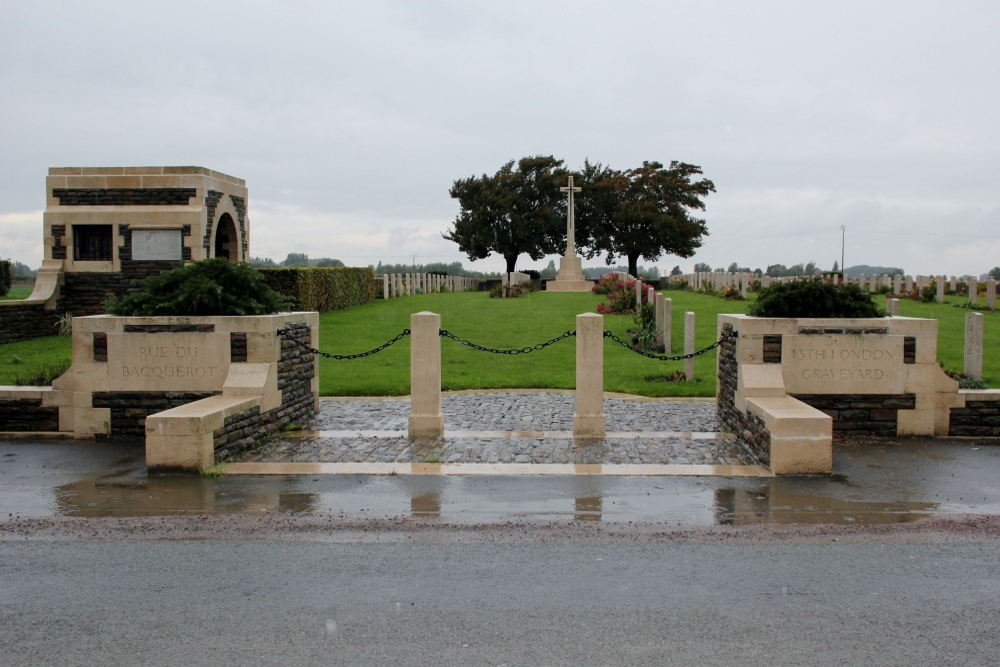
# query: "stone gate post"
{"type": "Point", "coordinates": [426, 418]}
{"type": "Point", "coordinates": [589, 420]}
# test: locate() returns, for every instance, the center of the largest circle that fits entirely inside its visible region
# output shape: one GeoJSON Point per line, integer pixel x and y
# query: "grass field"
{"type": "Point", "coordinates": [516, 323]}
{"type": "Point", "coordinates": [16, 293]}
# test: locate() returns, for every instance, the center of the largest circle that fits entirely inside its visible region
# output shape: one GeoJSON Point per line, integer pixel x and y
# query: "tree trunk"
{"type": "Point", "coordinates": [633, 265]}
{"type": "Point", "coordinates": [511, 262]}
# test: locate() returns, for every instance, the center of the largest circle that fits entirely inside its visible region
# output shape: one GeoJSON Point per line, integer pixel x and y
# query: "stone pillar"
{"type": "Point", "coordinates": [940, 289]}
{"type": "Point", "coordinates": [638, 294]}
{"type": "Point", "coordinates": [954, 284]}
{"type": "Point", "coordinates": [744, 284]}
{"type": "Point", "coordinates": [589, 420]}
{"type": "Point", "coordinates": [991, 293]}
{"type": "Point", "coordinates": [974, 344]}
{"type": "Point", "coordinates": [897, 284]}
{"type": "Point", "coordinates": [891, 306]}
{"type": "Point", "coordinates": [385, 286]}
{"type": "Point", "coordinates": [426, 418]}
{"type": "Point", "coordinates": [689, 345]}
{"type": "Point", "coordinates": [973, 291]}
{"type": "Point", "coordinates": [873, 284]}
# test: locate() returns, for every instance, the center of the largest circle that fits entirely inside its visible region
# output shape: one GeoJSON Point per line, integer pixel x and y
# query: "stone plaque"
{"type": "Point", "coordinates": [156, 245]}
{"type": "Point", "coordinates": [843, 364]}
{"type": "Point", "coordinates": [167, 361]}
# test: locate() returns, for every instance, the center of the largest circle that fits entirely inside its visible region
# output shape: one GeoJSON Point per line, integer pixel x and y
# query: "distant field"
{"type": "Point", "coordinates": [516, 323]}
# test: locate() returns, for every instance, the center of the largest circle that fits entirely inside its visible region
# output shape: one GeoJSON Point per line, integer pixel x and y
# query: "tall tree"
{"type": "Point", "coordinates": [519, 210]}
{"type": "Point", "coordinates": [644, 212]}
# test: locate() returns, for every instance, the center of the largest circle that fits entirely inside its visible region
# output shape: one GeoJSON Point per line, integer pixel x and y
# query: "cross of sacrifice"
{"type": "Point", "coordinates": [570, 219]}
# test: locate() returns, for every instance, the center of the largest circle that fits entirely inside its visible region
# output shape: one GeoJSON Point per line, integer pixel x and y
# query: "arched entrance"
{"type": "Point", "coordinates": [226, 241]}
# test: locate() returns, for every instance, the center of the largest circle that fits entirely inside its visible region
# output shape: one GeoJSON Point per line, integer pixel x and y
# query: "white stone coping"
{"type": "Point", "coordinates": [980, 394]}
{"type": "Point", "coordinates": [145, 171]}
{"type": "Point", "coordinates": [773, 326]}
{"type": "Point", "coordinates": [223, 323]}
{"type": "Point", "coordinates": [198, 418]}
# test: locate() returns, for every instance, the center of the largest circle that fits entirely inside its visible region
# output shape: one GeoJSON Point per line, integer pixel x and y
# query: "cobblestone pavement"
{"type": "Point", "coordinates": [508, 427]}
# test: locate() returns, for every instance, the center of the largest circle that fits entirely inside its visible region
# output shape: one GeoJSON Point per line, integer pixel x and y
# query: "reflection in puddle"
{"type": "Point", "coordinates": [426, 504]}
{"type": "Point", "coordinates": [775, 502]}
{"type": "Point", "coordinates": [588, 509]}
{"type": "Point", "coordinates": [178, 494]}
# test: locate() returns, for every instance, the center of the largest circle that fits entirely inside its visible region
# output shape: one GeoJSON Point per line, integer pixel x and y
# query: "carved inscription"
{"type": "Point", "coordinates": [839, 364]}
{"type": "Point", "coordinates": [168, 362]}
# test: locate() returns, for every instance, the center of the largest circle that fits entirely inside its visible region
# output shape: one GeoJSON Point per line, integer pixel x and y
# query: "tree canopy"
{"type": "Point", "coordinates": [519, 210]}
{"type": "Point", "coordinates": [642, 212]}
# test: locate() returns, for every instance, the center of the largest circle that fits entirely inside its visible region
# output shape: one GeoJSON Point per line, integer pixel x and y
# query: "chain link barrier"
{"type": "Point", "coordinates": [660, 357]}
{"type": "Point", "coordinates": [522, 350]}
{"type": "Point", "coordinates": [401, 336]}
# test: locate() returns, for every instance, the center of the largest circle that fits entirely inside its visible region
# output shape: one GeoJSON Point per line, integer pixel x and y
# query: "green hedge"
{"type": "Point", "coordinates": [322, 288]}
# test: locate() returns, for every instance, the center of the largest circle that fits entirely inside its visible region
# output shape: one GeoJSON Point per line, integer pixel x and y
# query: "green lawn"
{"type": "Point", "coordinates": [515, 323]}
{"type": "Point", "coordinates": [507, 323]}
{"type": "Point", "coordinates": [16, 293]}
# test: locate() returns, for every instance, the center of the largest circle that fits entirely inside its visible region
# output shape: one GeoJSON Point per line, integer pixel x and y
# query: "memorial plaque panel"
{"type": "Point", "coordinates": [156, 245]}
{"type": "Point", "coordinates": [843, 364]}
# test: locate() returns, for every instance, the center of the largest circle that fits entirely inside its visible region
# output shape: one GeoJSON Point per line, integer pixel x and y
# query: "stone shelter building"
{"type": "Point", "coordinates": [105, 227]}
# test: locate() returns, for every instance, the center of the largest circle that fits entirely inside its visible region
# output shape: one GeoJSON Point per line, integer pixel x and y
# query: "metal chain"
{"type": "Point", "coordinates": [659, 357]}
{"type": "Point", "coordinates": [523, 350]}
{"type": "Point", "coordinates": [401, 336]}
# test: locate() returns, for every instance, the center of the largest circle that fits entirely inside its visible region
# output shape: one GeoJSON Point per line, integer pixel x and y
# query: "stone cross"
{"type": "Point", "coordinates": [570, 219]}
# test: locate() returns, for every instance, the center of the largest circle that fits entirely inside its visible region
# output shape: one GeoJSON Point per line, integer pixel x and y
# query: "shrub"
{"type": "Point", "coordinates": [928, 293]}
{"type": "Point", "coordinates": [210, 287]}
{"type": "Point", "coordinates": [621, 295]}
{"type": "Point", "coordinates": [814, 298]}
{"type": "Point", "coordinates": [5, 276]}
{"type": "Point", "coordinates": [731, 294]}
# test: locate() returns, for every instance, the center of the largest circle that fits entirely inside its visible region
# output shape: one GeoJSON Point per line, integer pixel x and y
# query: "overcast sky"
{"type": "Point", "coordinates": [350, 121]}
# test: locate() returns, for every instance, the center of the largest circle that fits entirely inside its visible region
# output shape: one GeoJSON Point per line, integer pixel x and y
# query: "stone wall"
{"type": "Point", "coordinates": [751, 434]}
{"type": "Point", "coordinates": [130, 409]}
{"type": "Point", "coordinates": [869, 414]}
{"type": "Point", "coordinates": [976, 418]}
{"type": "Point", "coordinates": [27, 414]}
{"type": "Point", "coordinates": [244, 430]}
{"type": "Point", "coordinates": [26, 321]}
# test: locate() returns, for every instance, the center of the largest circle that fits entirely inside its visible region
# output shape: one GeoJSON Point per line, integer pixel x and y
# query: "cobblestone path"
{"type": "Point", "coordinates": [508, 427]}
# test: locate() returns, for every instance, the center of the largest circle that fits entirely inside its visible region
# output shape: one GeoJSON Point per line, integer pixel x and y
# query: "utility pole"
{"type": "Point", "coordinates": [843, 234]}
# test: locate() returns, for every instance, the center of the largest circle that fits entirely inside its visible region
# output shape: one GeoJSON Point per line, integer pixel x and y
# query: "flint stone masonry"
{"type": "Point", "coordinates": [128, 410]}
{"type": "Point", "coordinates": [27, 415]}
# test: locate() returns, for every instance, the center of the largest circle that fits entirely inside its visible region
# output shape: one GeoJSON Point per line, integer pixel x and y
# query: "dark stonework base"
{"type": "Point", "coordinates": [26, 415]}
{"type": "Point", "coordinates": [976, 418]}
{"type": "Point", "coordinates": [130, 409]}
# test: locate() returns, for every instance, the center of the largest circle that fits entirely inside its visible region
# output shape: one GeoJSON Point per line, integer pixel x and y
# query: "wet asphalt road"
{"type": "Point", "coordinates": [893, 560]}
{"type": "Point", "coordinates": [553, 602]}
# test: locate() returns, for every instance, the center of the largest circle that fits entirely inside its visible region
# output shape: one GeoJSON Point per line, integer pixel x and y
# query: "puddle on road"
{"type": "Point", "coordinates": [68, 479]}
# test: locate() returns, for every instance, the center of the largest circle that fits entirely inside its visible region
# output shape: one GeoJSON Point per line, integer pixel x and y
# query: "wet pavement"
{"type": "Point", "coordinates": [879, 482]}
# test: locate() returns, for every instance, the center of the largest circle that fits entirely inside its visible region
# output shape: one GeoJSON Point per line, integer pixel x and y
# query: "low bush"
{"type": "Point", "coordinates": [814, 298]}
{"type": "Point", "coordinates": [209, 287]}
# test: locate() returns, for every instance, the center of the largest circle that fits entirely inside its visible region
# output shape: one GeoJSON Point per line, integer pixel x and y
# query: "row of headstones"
{"type": "Point", "coordinates": [896, 284]}
{"type": "Point", "coordinates": [663, 307]}
{"type": "Point", "coordinates": [404, 284]}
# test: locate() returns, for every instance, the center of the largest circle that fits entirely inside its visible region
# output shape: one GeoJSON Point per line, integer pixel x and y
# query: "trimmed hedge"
{"type": "Point", "coordinates": [322, 288]}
